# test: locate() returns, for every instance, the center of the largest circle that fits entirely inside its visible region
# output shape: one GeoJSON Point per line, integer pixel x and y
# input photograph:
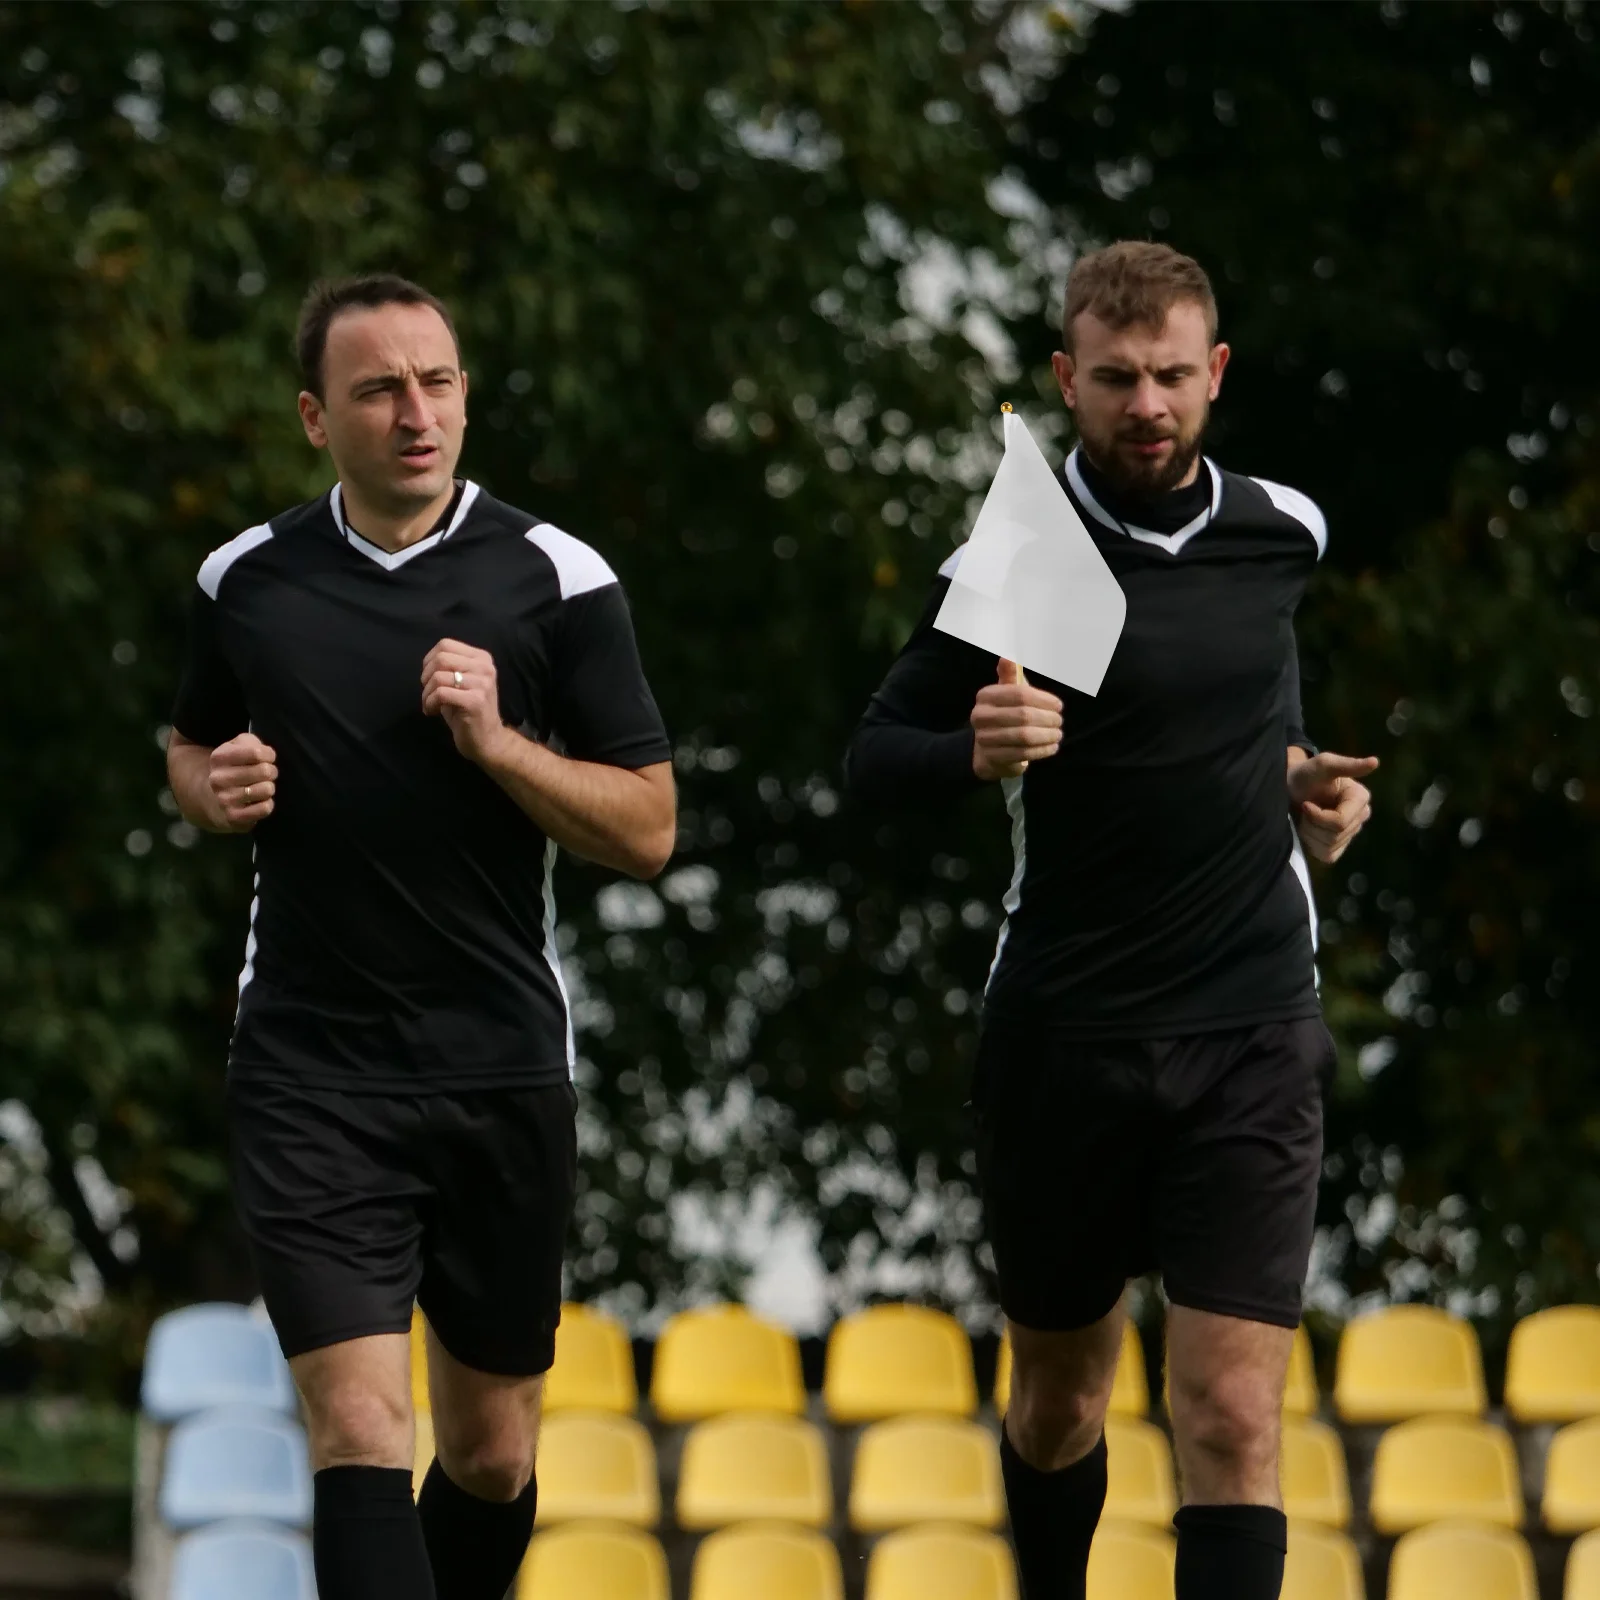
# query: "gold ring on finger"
{"type": "Point", "coordinates": [459, 679]}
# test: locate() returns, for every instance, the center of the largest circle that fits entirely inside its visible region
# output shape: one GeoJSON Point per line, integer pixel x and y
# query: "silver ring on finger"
{"type": "Point", "coordinates": [249, 794]}
{"type": "Point", "coordinates": [459, 679]}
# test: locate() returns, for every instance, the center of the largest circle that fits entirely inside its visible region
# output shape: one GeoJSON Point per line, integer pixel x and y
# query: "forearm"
{"type": "Point", "coordinates": [616, 816]}
{"type": "Point", "coordinates": [188, 776]}
{"type": "Point", "coordinates": [890, 763]}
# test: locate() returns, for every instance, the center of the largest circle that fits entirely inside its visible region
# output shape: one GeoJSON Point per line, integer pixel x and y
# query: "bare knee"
{"type": "Point", "coordinates": [351, 1424]}
{"type": "Point", "coordinates": [1057, 1411]}
{"type": "Point", "coordinates": [1227, 1429]}
{"type": "Point", "coordinates": [494, 1463]}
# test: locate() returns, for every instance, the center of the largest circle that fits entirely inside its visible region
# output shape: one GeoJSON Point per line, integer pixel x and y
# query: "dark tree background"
{"type": "Point", "coordinates": [740, 288]}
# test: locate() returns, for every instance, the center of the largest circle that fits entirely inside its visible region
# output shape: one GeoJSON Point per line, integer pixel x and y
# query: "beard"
{"type": "Point", "coordinates": [1143, 480]}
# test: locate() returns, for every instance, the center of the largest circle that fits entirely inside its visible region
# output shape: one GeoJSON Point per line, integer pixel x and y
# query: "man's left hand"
{"type": "Point", "coordinates": [1330, 802]}
{"type": "Point", "coordinates": [459, 684]}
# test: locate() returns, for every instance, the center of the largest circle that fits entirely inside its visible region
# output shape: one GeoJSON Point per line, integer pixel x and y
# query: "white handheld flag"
{"type": "Point", "coordinates": [1031, 585]}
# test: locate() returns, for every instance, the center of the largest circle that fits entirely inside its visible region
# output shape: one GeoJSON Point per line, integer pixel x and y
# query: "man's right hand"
{"type": "Point", "coordinates": [1013, 723]}
{"type": "Point", "coordinates": [243, 775]}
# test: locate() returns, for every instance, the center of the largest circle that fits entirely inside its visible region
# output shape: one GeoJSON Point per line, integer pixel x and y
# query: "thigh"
{"type": "Point", "coordinates": [504, 1167]}
{"type": "Point", "coordinates": [477, 1413]}
{"type": "Point", "coordinates": [332, 1209]}
{"type": "Point", "coordinates": [1241, 1161]}
{"type": "Point", "coordinates": [1060, 1136]}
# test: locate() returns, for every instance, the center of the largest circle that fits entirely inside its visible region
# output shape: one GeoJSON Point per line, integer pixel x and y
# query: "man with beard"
{"type": "Point", "coordinates": [1152, 1057]}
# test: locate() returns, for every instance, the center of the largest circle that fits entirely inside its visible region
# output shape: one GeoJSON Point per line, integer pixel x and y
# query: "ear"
{"type": "Point", "coordinates": [1066, 378]}
{"type": "Point", "coordinates": [1218, 363]}
{"type": "Point", "coordinates": [311, 419]}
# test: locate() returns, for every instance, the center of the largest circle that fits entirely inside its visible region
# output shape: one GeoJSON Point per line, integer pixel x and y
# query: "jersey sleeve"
{"type": "Point", "coordinates": [211, 706]}
{"type": "Point", "coordinates": [1294, 716]}
{"type": "Point", "coordinates": [602, 707]}
{"type": "Point", "coordinates": [914, 743]}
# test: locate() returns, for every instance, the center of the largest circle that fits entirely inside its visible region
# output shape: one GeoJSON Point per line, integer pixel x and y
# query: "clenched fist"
{"type": "Point", "coordinates": [1013, 724]}
{"type": "Point", "coordinates": [460, 685]}
{"type": "Point", "coordinates": [243, 775]}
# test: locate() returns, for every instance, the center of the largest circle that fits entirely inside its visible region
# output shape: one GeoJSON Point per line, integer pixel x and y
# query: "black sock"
{"type": "Point", "coordinates": [1231, 1552]}
{"type": "Point", "coordinates": [475, 1545]}
{"type": "Point", "coordinates": [365, 1538]}
{"type": "Point", "coordinates": [1053, 1518]}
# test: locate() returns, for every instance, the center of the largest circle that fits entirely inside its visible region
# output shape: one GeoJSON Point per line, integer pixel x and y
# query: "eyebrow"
{"type": "Point", "coordinates": [388, 380]}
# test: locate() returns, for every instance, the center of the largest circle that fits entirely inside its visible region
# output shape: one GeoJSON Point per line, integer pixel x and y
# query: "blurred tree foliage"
{"type": "Point", "coordinates": [736, 286]}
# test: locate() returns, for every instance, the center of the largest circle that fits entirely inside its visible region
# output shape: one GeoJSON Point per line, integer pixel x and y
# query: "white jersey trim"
{"type": "Point", "coordinates": [1301, 507]}
{"type": "Point", "coordinates": [215, 565]}
{"type": "Point", "coordinates": [552, 953]}
{"type": "Point", "coordinates": [1011, 788]}
{"type": "Point", "coordinates": [390, 559]}
{"type": "Point", "coordinates": [1171, 542]}
{"type": "Point", "coordinates": [579, 567]}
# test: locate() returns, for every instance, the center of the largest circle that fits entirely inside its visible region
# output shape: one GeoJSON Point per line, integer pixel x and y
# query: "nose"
{"type": "Point", "coordinates": [1147, 402]}
{"type": "Point", "coordinates": [415, 414]}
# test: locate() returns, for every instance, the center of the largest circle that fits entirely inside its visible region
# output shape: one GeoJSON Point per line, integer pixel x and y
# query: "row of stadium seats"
{"type": "Point", "coordinates": [1405, 1361]}
{"type": "Point", "coordinates": [919, 1468]}
{"type": "Point", "coordinates": [1457, 1560]}
{"type": "Point", "coordinates": [1396, 1363]}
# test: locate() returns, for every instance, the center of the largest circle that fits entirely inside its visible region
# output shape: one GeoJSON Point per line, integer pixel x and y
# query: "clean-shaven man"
{"type": "Point", "coordinates": [411, 694]}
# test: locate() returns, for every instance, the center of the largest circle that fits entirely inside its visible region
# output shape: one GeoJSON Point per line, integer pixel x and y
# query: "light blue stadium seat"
{"type": "Point", "coordinates": [213, 1355]}
{"type": "Point", "coordinates": [243, 1561]}
{"type": "Point", "coordinates": [236, 1462]}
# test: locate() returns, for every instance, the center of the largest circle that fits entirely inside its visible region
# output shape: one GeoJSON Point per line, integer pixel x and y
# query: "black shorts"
{"type": "Point", "coordinates": [1199, 1157]}
{"type": "Point", "coordinates": [355, 1205]}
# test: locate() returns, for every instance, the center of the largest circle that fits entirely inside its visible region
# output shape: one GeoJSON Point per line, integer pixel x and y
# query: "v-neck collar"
{"type": "Point", "coordinates": [389, 560]}
{"type": "Point", "coordinates": [1172, 543]}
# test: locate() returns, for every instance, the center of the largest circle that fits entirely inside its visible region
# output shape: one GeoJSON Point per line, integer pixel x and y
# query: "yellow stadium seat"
{"type": "Point", "coordinates": [1571, 1501]}
{"type": "Point", "coordinates": [941, 1563]}
{"type": "Point", "coordinates": [1130, 1389]}
{"type": "Point", "coordinates": [422, 1456]}
{"type": "Point", "coordinates": [1316, 1483]}
{"type": "Point", "coordinates": [1300, 1396]}
{"type": "Point", "coordinates": [1408, 1361]}
{"type": "Point", "coordinates": [1130, 1562]}
{"type": "Point", "coordinates": [890, 1360]}
{"type": "Point", "coordinates": [1433, 1468]}
{"type": "Point", "coordinates": [419, 1362]}
{"type": "Point", "coordinates": [595, 1465]}
{"type": "Point", "coordinates": [723, 1358]}
{"type": "Point", "coordinates": [748, 1467]}
{"type": "Point", "coordinates": [1553, 1365]}
{"type": "Point", "coordinates": [926, 1469]}
{"type": "Point", "coordinates": [594, 1365]}
{"type": "Point", "coordinates": [768, 1560]}
{"type": "Point", "coordinates": [1462, 1561]}
{"type": "Point", "coordinates": [1322, 1565]}
{"type": "Point", "coordinates": [1140, 1485]}
{"type": "Point", "coordinates": [1583, 1569]}
{"type": "Point", "coordinates": [586, 1560]}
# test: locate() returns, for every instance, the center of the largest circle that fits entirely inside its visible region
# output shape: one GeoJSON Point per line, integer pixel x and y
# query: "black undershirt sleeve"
{"type": "Point", "coordinates": [603, 709]}
{"type": "Point", "coordinates": [1293, 715]}
{"type": "Point", "coordinates": [211, 706]}
{"type": "Point", "coordinates": [914, 744]}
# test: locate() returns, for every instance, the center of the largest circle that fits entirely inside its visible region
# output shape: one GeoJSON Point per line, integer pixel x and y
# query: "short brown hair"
{"type": "Point", "coordinates": [1135, 283]}
{"type": "Point", "coordinates": [327, 297]}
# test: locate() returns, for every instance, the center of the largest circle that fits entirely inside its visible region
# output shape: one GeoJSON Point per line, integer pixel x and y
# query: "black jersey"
{"type": "Point", "coordinates": [402, 934]}
{"type": "Point", "coordinates": [1159, 887]}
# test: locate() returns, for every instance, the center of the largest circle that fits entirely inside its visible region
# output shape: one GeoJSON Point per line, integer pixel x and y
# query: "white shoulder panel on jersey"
{"type": "Point", "coordinates": [951, 562]}
{"type": "Point", "coordinates": [224, 556]}
{"type": "Point", "coordinates": [1302, 508]}
{"type": "Point", "coordinates": [579, 567]}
